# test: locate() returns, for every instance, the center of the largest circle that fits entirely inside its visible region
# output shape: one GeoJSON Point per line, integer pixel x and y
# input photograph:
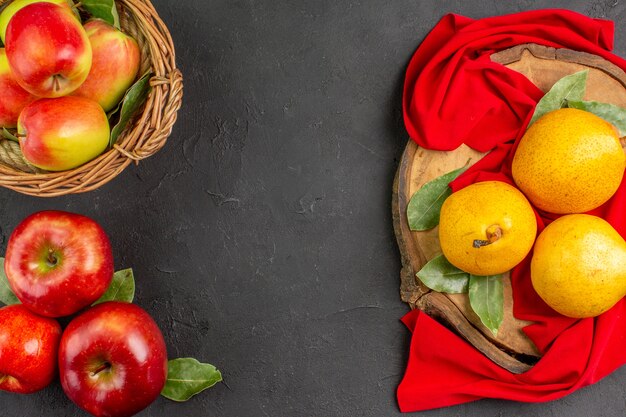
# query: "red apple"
{"type": "Point", "coordinates": [58, 263]}
{"type": "Point", "coordinates": [14, 97]}
{"type": "Point", "coordinates": [15, 5]}
{"type": "Point", "coordinates": [28, 350]}
{"type": "Point", "coordinates": [115, 64]}
{"type": "Point", "coordinates": [48, 50]}
{"type": "Point", "coordinates": [57, 134]}
{"type": "Point", "coordinates": [113, 360]}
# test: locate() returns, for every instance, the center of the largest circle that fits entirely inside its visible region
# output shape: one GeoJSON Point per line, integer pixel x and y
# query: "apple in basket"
{"type": "Point", "coordinates": [58, 263]}
{"type": "Point", "coordinates": [48, 49]}
{"type": "Point", "coordinates": [28, 350]}
{"type": "Point", "coordinates": [15, 5]}
{"type": "Point", "coordinates": [57, 134]}
{"type": "Point", "coordinates": [14, 97]}
{"type": "Point", "coordinates": [115, 64]}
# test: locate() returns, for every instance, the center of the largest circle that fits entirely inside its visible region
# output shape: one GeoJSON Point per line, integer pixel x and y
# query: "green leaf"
{"type": "Point", "coordinates": [609, 112]}
{"type": "Point", "coordinates": [122, 288]}
{"type": "Point", "coordinates": [7, 297]}
{"type": "Point", "coordinates": [441, 276]}
{"type": "Point", "coordinates": [8, 135]}
{"type": "Point", "coordinates": [486, 295]}
{"type": "Point", "coordinates": [187, 377]}
{"type": "Point", "coordinates": [569, 88]}
{"type": "Point", "coordinates": [102, 9]}
{"type": "Point", "coordinates": [425, 205]}
{"type": "Point", "coordinates": [134, 98]}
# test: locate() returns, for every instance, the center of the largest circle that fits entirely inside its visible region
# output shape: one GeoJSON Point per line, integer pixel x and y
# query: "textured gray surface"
{"type": "Point", "coordinates": [261, 235]}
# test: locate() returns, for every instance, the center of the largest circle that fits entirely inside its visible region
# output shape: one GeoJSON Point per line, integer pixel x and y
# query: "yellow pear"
{"type": "Point", "coordinates": [487, 228]}
{"type": "Point", "coordinates": [569, 161]}
{"type": "Point", "coordinates": [579, 266]}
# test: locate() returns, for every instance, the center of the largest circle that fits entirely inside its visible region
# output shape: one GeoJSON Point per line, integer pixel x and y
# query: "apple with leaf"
{"type": "Point", "coordinates": [112, 357]}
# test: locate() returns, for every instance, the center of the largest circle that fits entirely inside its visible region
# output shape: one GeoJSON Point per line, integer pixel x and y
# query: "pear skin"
{"type": "Point", "coordinates": [579, 266]}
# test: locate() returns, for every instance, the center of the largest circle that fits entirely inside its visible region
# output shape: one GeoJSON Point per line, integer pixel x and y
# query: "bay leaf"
{"type": "Point", "coordinates": [7, 297]}
{"type": "Point", "coordinates": [187, 377]}
{"type": "Point", "coordinates": [441, 276]}
{"type": "Point", "coordinates": [8, 135]}
{"type": "Point", "coordinates": [425, 205]}
{"type": "Point", "coordinates": [122, 288]}
{"type": "Point", "coordinates": [486, 295]}
{"type": "Point", "coordinates": [102, 9]}
{"type": "Point", "coordinates": [613, 114]}
{"type": "Point", "coordinates": [135, 96]}
{"type": "Point", "coordinates": [568, 88]}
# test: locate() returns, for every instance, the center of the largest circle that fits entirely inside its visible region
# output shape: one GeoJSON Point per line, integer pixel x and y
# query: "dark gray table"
{"type": "Point", "coordinates": [261, 235]}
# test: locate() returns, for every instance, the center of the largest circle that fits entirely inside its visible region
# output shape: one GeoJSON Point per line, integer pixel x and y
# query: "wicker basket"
{"type": "Point", "coordinates": [144, 135]}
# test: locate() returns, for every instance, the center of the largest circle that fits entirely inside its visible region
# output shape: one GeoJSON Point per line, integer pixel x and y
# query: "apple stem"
{"type": "Point", "coordinates": [494, 233]}
{"type": "Point", "coordinates": [104, 367]}
{"type": "Point", "coordinates": [52, 260]}
{"type": "Point", "coordinates": [56, 83]}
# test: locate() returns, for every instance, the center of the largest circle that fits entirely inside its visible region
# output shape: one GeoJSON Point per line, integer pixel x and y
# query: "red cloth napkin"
{"type": "Point", "coordinates": [454, 94]}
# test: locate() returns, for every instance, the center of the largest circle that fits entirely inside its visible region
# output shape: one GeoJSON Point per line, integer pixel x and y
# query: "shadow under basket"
{"type": "Point", "coordinates": [144, 135]}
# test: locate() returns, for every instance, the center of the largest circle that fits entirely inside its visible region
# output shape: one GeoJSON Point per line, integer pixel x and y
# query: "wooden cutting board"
{"type": "Point", "coordinates": [511, 349]}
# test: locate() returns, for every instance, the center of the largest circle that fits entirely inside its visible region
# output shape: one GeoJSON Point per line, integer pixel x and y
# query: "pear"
{"type": "Point", "coordinates": [487, 228]}
{"type": "Point", "coordinates": [569, 161]}
{"type": "Point", "coordinates": [579, 266]}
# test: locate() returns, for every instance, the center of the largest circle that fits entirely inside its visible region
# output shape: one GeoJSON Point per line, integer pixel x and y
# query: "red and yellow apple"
{"type": "Point", "coordinates": [114, 67]}
{"type": "Point", "coordinates": [14, 97]}
{"type": "Point", "coordinates": [57, 134]}
{"type": "Point", "coordinates": [58, 263]}
{"type": "Point", "coordinates": [48, 50]}
{"type": "Point", "coordinates": [15, 5]}
{"type": "Point", "coordinates": [28, 350]}
{"type": "Point", "coordinates": [113, 360]}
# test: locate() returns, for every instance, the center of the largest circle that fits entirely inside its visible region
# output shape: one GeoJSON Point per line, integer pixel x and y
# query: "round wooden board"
{"type": "Point", "coordinates": [511, 349]}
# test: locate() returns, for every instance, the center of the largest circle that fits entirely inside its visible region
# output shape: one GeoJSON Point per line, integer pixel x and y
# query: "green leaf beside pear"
{"type": "Point", "coordinates": [568, 88]}
{"type": "Point", "coordinates": [187, 377]}
{"type": "Point", "coordinates": [425, 205]}
{"type": "Point", "coordinates": [441, 276]}
{"type": "Point", "coordinates": [486, 295]}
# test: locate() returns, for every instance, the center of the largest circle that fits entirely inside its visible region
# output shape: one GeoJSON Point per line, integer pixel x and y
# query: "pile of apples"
{"type": "Point", "coordinates": [111, 358]}
{"type": "Point", "coordinates": [59, 79]}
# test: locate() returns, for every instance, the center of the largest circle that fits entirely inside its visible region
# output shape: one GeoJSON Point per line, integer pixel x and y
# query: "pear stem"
{"type": "Point", "coordinates": [494, 233]}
